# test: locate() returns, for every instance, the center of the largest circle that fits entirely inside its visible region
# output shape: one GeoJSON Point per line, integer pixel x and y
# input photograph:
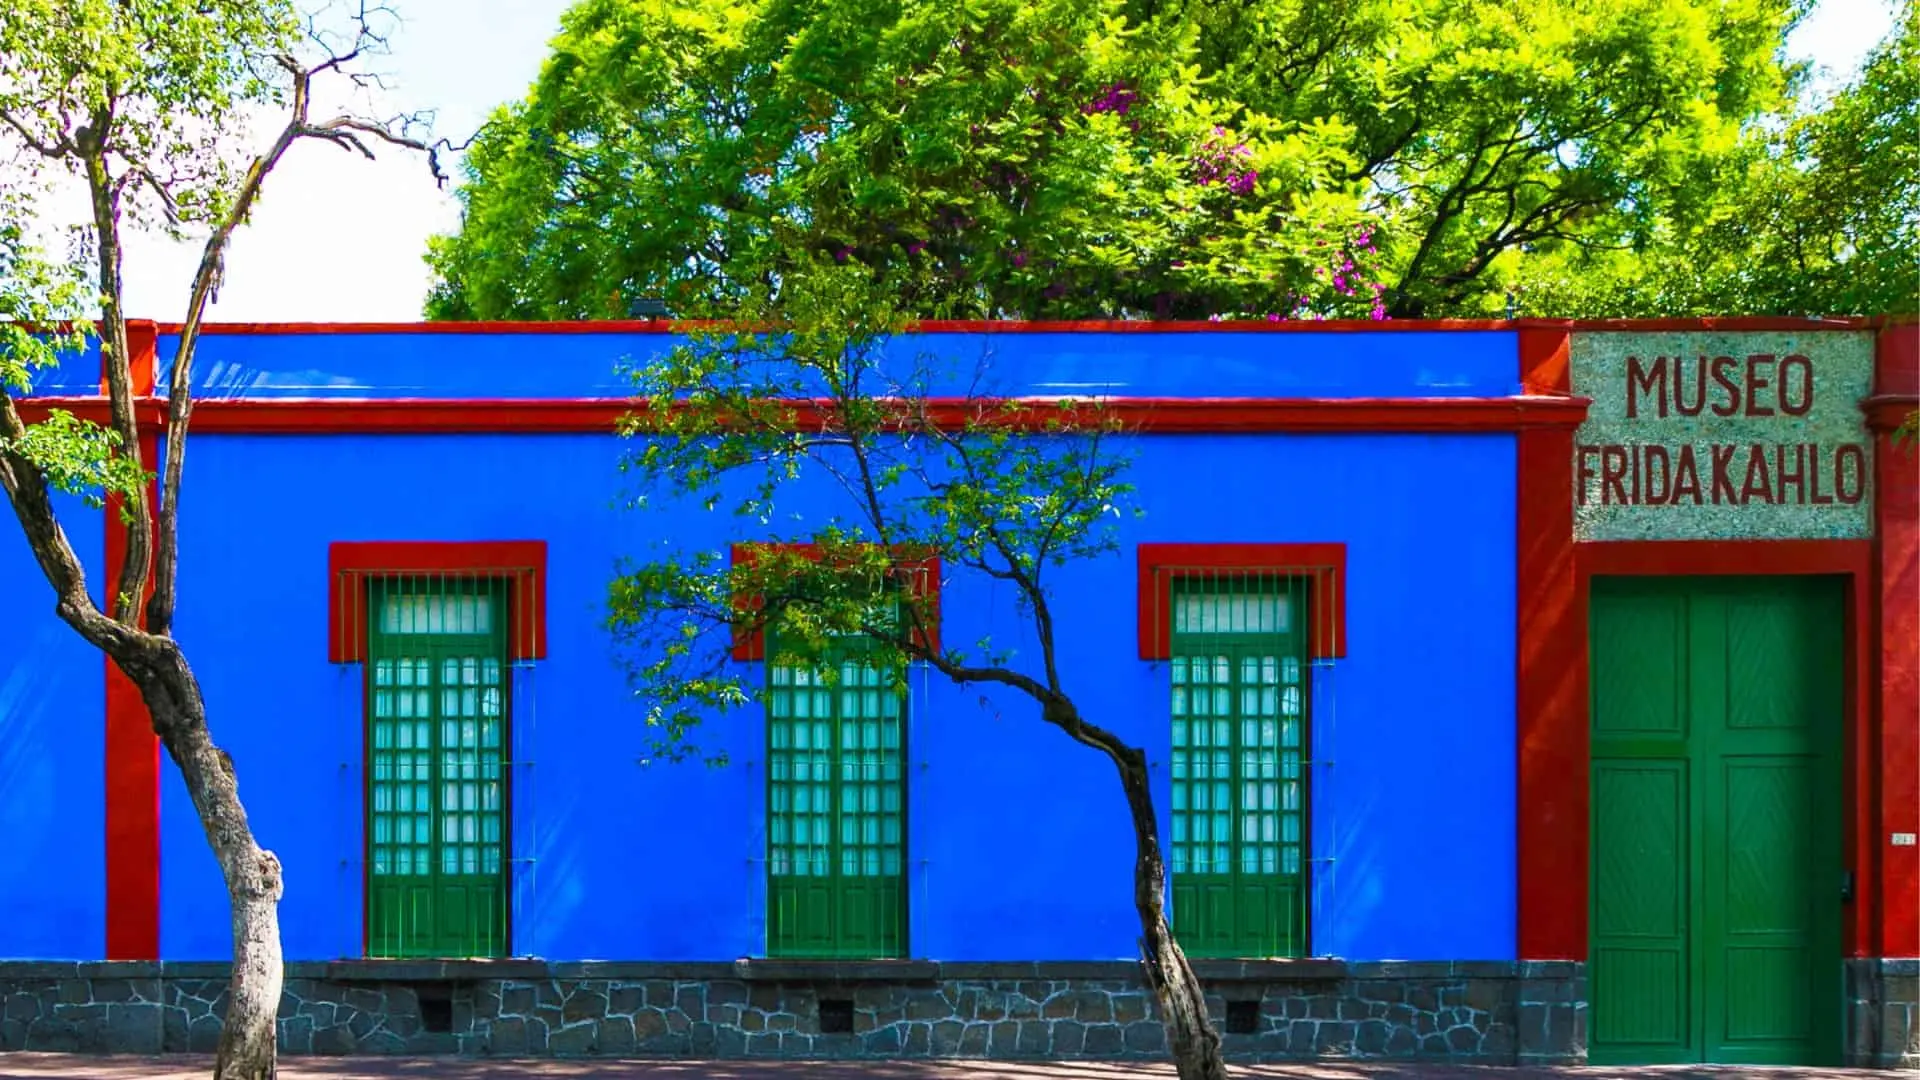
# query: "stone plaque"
{"type": "Point", "coordinates": [1711, 435]}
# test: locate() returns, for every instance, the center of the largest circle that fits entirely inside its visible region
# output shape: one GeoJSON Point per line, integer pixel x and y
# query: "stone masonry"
{"type": "Point", "coordinates": [1883, 1014]}
{"type": "Point", "coordinates": [1268, 1010]}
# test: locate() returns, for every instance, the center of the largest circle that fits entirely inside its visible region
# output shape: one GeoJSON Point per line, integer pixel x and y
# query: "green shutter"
{"type": "Point", "coordinates": [436, 782]}
{"type": "Point", "coordinates": [1240, 742]}
{"type": "Point", "coordinates": [836, 802]}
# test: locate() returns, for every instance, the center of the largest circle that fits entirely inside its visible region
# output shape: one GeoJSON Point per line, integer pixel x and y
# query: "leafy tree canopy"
{"type": "Point", "coordinates": [1095, 158]}
{"type": "Point", "coordinates": [1816, 215]}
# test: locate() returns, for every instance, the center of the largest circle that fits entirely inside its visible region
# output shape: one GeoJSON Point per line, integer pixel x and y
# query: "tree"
{"type": "Point", "coordinates": [145, 102]}
{"type": "Point", "coordinates": [800, 390]}
{"type": "Point", "coordinates": [1814, 213]}
{"type": "Point", "coordinates": [1095, 158]}
{"type": "Point", "coordinates": [1483, 130]}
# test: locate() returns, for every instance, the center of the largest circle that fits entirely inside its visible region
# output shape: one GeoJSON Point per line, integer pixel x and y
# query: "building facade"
{"type": "Point", "coordinates": [1512, 691]}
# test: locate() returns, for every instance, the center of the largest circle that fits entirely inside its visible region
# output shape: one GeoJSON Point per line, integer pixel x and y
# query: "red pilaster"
{"type": "Point", "coordinates": [1550, 690]}
{"type": "Point", "coordinates": [1897, 753]}
{"type": "Point", "coordinates": [132, 751]}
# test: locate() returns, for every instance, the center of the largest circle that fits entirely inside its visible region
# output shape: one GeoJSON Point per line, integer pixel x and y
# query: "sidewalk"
{"type": "Point", "coordinates": [183, 1067]}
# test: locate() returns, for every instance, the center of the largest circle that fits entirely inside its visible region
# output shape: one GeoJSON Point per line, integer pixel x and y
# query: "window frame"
{"type": "Point", "coordinates": [522, 566]}
{"type": "Point", "coordinates": [1293, 643]}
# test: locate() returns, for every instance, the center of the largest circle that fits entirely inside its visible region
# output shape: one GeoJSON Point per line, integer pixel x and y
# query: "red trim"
{"type": "Point", "coordinates": [143, 360]}
{"type": "Point", "coordinates": [521, 562]}
{"type": "Point", "coordinates": [750, 643]}
{"type": "Point", "coordinates": [132, 764]}
{"type": "Point", "coordinates": [1897, 749]}
{"type": "Point", "coordinates": [1886, 412]}
{"type": "Point", "coordinates": [1160, 564]}
{"type": "Point", "coordinates": [307, 416]}
{"type": "Point", "coordinates": [1896, 361]}
{"type": "Point", "coordinates": [1550, 691]}
{"type": "Point", "coordinates": [147, 412]}
{"type": "Point", "coordinates": [1854, 560]}
{"type": "Point", "coordinates": [1052, 326]}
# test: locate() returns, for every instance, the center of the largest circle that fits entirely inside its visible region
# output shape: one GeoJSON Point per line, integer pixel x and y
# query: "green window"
{"type": "Point", "coordinates": [1240, 744]}
{"type": "Point", "coordinates": [836, 810]}
{"type": "Point", "coordinates": [436, 786]}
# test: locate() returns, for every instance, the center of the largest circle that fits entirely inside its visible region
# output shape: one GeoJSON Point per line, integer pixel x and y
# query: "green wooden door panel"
{"type": "Point", "coordinates": [1715, 904]}
{"type": "Point", "coordinates": [1636, 640]}
{"type": "Point", "coordinates": [1640, 984]}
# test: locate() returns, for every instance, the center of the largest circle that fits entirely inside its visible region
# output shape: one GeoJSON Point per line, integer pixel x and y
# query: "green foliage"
{"type": "Point", "coordinates": [1096, 158]}
{"type": "Point", "coordinates": [994, 157]}
{"type": "Point", "coordinates": [140, 102]}
{"type": "Point", "coordinates": [160, 86]}
{"type": "Point", "coordinates": [1488, 128]}
{"type": "Point", "coordinates": [803, 395]}
{"type": "Point", "coordinates": [43, 302]}
{"type": "Point", "coordinates": [1818, 214]}
{"type": "Point", "coordinates": [78, 457]}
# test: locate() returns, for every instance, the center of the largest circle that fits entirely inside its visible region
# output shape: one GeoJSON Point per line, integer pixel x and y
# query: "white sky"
{"type": "Point", "coordinates": [337, 238]}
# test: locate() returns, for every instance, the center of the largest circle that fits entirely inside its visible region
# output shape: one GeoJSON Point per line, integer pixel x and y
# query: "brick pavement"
{"type": "Point", "coordinates": [20, 1066]}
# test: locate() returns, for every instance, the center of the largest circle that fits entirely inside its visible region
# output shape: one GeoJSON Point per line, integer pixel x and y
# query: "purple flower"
{"type": "Point", "coordinates": [1273, 316]}
{"type": "Point", "coordinates": [914, 247]}
{"type": "Point", "coordinates": [841, 255]}
{"type": "Point", "coordinates": [1019, 258]}
{"type": "Point", "coordinates": [1116, 99]}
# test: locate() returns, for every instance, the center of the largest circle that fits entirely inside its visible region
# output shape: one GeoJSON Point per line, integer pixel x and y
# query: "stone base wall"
{"type": "Point", "coordinates": [1883, 1013]}
{"type": "Point", "coordinates": [1497, 1012]}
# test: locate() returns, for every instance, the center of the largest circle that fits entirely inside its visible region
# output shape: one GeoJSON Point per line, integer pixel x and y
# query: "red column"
{"type": "Point", "coordinates": [1551, 676]}
{"type": "Point", "coordinates": [1897, 529]}
{"type": "Point", "coordinates": [132, 751]}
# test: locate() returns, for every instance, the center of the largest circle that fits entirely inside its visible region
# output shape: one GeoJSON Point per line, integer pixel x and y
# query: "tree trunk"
{"type": "Point", "coordinates": [248, 1037]}
{"type": "Point", "coordinates": [1194, 1043]}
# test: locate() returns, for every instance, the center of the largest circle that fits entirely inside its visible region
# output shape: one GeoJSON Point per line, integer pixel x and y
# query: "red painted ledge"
{"type": "Point", "coordinates": [317, 416]}
{"type": "Point", "coordinates": [1886, 412]}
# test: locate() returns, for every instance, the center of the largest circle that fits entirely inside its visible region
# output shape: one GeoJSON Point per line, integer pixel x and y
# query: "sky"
{"type": "Point", "coordinates": [337, 238]}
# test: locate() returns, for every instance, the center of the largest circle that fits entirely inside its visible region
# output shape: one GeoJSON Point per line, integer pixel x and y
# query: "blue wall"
{"type": "Point", "coordinates": [52, 745]}
{"type": "Point", "coordinates": [1139, 364]}
{"type": "Point", "coordinates": [1018, 846]}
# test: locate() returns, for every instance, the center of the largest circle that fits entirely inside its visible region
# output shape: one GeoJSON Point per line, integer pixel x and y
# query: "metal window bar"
{"type": "Point", "coordinates": [1246, 712]}
{"type": "Point", "coordinates": [438, 703]}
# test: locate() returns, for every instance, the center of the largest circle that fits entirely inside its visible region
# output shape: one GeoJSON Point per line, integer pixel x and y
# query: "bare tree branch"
{"type": "Point", "coordinates": [341, 130]}
{"type": "Point", "coordinates": [63, 147]}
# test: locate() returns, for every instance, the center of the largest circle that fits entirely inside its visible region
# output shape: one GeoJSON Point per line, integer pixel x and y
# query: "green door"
{"type": "Point", "coordinates": [436, 795]}
{"type": "Point", "coordinates": [836, 800]}
{"type": "Point", "coordinates": [1239, 783]}
{"type": "Point", "coordinates": [1717, 873]}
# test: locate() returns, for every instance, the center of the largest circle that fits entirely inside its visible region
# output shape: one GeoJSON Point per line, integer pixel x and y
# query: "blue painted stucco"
{"type": "Point", "coordinates": [52, 737]}
{"type": "Point", "coordinates": [571, 365]}
{"type": "Point", "coordinates": [1018, 846]}
{"type": "Point", "coordinates": [1017, 842]}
